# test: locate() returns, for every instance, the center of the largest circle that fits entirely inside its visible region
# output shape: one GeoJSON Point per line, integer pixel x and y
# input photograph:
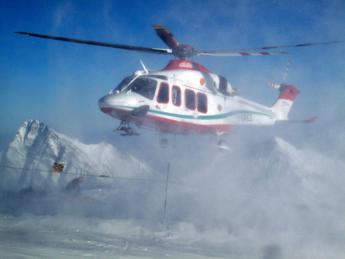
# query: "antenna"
{"type": "Point", "coordinates": [144, 67]}
{"type": "Point", "coordinates": [285, 75]}
{"type": "Point", "coordinates": [286, 70]}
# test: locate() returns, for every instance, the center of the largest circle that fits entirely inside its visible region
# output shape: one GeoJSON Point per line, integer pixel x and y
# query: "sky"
{"type": "Point", "coordinates": [60, 83]}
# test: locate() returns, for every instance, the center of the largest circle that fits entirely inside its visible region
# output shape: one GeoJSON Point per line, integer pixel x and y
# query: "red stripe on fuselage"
{"type": "Point", "coordinates": [167, 125]}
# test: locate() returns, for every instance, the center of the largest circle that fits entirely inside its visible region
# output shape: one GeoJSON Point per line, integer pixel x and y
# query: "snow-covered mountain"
{"type": "Point", "coordinates": [28, 160]}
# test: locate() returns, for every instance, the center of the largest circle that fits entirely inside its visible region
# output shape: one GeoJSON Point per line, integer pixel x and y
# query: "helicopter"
{"type": "Point", "coordinates": [185, 97]}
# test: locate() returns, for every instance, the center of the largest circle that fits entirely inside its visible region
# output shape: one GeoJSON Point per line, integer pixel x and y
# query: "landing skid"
{"type": "Point", "coordinates": [126, 129]}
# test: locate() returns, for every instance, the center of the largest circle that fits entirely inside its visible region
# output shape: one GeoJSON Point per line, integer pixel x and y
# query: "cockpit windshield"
{"type": "Point", "coordinates": [144, 86]}
{"type": "Point", "coordinates": [123, 83]}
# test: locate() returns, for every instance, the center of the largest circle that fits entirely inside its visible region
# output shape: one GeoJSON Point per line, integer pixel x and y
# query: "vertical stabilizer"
{"type": "Point", "coordinates": [287, 95]}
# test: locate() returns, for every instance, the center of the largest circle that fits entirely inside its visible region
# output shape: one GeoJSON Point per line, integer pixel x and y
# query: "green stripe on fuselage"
{"type": "Point", "coordinates": [202, 117]}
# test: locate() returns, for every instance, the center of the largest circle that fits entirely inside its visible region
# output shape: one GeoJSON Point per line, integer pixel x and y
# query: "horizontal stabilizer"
{"type": "Point", "coordinates": [307, 121]}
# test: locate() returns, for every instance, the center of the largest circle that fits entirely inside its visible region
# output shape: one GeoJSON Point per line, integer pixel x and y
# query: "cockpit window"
{"type": "Point", "coordinates": [144, 86]}
{"type": "Point", "coordinates": [123, 83]}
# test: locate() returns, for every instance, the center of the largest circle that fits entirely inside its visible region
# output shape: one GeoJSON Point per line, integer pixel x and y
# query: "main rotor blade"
{"type": "Point", "coordinates": [166, 36]}
{"type": "Point", "coordinates": [299, 45]}
{"type": "Point", "coordinates": [238, 53]}
{"type": "Point", "coordinates": [99, 43]}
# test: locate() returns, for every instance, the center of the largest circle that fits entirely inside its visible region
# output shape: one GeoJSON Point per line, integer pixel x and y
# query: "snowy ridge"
{"type": "Point", "coordinates": [36, 147]}
{"type": "Point", "coordinates": [277, 155]}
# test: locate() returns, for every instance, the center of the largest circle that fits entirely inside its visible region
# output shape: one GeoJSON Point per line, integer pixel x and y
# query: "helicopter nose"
{"type": "Point", "coordinates": [105, 103]}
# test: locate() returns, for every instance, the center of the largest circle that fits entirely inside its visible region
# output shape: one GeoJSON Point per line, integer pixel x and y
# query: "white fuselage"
{"type": "Point", "coordinates": [183, 100]}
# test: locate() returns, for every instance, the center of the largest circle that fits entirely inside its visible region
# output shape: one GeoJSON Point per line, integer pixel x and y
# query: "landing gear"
{"type": "Point", "coordinates": [126, 129]}
{"type": "Point", "coordinates": [163, 142]}
{"type": "Point", "coordinates": [221, 144]}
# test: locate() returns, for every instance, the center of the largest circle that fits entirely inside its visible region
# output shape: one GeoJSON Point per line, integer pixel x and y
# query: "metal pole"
{"type": "Point", "coordinates": [166, 192]}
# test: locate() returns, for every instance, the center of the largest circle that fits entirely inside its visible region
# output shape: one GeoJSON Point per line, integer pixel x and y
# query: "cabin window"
{"type": "Point", "coordinates": [190, 99]}
{"type": "Point", "coordinates": [223, 85]}
{"type": "Point", "coordinates": [163, 93]}
{"type": "Point", "coordinates": [144, 86]}
{"type": "Point", "coordinates": [176, 95]}
{"type": "Point", "coordinates": [202, 102]}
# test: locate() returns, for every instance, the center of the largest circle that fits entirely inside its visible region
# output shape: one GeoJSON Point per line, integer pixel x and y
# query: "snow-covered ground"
{"type": "Point", "coordinates": [76, 237]}
{"type": "Point", "coordinates": [264, 199]}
